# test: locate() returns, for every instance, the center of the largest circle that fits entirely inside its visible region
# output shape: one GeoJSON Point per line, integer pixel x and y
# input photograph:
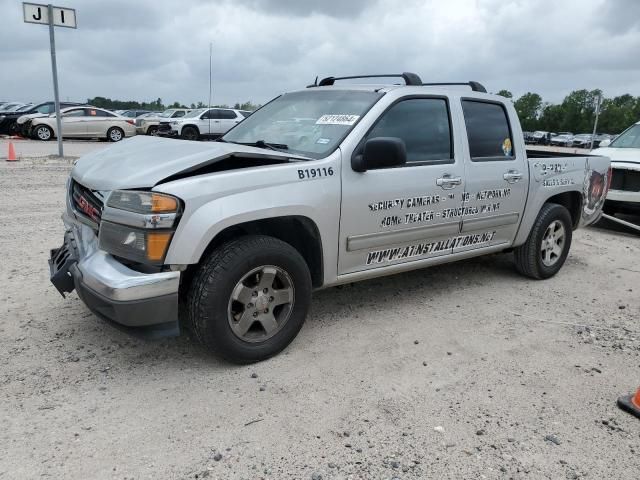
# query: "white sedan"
{"type": "Point", "coordinates": [84, 122]}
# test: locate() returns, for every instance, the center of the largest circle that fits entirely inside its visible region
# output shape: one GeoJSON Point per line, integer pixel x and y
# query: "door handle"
{"type": "Point", "coordinates": [512, 176]}
{"type": "Point", "coordinates": [447, 182]}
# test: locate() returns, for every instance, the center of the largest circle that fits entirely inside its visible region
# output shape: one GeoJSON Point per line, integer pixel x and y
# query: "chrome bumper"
{"type": "Point", "coordinates": [143, 303]}
{"type": "Point", "coordinates": [106, 276]}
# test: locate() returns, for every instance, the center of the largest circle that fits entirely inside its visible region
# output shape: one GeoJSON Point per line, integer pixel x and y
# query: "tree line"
{"type": "Point", "coordinates": [577, 112]}
{"type": "Point", "coordinates": [157, 105]}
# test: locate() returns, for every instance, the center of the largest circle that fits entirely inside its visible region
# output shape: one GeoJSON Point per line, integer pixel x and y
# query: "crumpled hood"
{"type": "Point", "coordinates": [627, 155]}
{"type": "Point", "coordinates": [144, 161]}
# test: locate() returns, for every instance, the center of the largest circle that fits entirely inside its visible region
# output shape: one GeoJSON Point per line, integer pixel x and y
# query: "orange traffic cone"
{"type": "Point", "coordinates": [630, 403]}
{"type": "Point", "coordinates": [12, 153]}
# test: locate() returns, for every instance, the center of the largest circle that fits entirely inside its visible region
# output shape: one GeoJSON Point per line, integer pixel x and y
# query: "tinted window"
{"type": "Point", "coordinates": [488, 131]}
{"type": "Point", "coordinates": [227, 114]}
{"type": "Point", "coordinates": [423, 124]}
{"type": "Point", "coordinates": [245, 113]}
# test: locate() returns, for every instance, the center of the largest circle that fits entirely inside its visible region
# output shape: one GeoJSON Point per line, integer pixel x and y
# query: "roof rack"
{"type": "Point", "coordinates": [408, 77]}
{"type": "Point", "coordinates": [475, 86]}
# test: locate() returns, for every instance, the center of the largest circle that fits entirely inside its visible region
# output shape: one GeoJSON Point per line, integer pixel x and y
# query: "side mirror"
{"type": "Point", "coordinates": [604, 143]}
{"type": "Point", "coordinates": [380, 152]}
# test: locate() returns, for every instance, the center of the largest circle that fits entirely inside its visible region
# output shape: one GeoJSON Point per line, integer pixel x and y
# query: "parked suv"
{"type": "Point", "coordinates": [320, 187]}
{"type": "Point", "coordinates": [148, 125]}
{"type": "Point", "coordinates": [203, 122]}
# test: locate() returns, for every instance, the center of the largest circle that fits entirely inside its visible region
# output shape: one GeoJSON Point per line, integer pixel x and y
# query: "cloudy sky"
{"type": "Point", "coordinates": [145, 49]}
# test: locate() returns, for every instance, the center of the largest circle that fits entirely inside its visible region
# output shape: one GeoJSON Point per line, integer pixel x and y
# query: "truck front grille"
{"type": "Point", "coordinates": [627, 180]}
{"type": "Point", "coordinates": [86, 202]}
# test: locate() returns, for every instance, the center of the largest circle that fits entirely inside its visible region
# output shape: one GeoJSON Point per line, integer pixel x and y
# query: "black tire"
{"type": "Point", "coordinates": [210, 293]}
{"type": "Point", "coordinates": [190, 133]}
{"type": "Point", "coordinates": [42, 132]}
{"type": "Point", "coordinates": [115, 134]}
{"type": "Point", "coordinates": [529, 256]}
{"type": "Point", "coordinates": [152, 130]}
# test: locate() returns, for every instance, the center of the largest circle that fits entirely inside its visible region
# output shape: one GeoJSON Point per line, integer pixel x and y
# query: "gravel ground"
{"type": "Point", "coordinates": [460, 371]}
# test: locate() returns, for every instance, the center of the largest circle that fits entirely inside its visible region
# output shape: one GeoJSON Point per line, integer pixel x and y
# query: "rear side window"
{"type": "Point", "coordinates": [423, 124]}
{"type": "Point", "coordinates": [488, 131]}
{"type": "Point", "coordinates": [227, 114]}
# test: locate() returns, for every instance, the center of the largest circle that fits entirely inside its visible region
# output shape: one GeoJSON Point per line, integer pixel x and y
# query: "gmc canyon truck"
{"type": "Point", "coordinates": [323, 186]}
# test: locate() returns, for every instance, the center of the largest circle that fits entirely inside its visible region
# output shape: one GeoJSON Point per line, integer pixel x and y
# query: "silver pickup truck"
{"type": "Point", "coordinates": [331, 184]}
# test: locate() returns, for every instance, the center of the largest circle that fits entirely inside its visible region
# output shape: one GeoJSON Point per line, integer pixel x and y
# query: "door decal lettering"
{"type": "Point", "coordinates": [426, 248]}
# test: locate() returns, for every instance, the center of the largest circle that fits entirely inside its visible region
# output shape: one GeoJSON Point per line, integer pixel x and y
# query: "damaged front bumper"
{"type": "Point", "coordinates": [145, 303]}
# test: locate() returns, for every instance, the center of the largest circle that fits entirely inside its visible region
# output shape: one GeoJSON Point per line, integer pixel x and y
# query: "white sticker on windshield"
{"type": "Point", "coordinates": [337, 119]}
{"type": "Point", "coordinates": [323, 141]}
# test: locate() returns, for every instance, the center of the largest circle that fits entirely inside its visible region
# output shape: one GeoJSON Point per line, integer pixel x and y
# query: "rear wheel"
{"type": "Point", "coordinates": [115, 134]}
{"type": "Point", "coordinates": [42, 132]}
{"type": "Point", "coordinates": [547, 247]}
{"type": "Point", "coordinates": [249, 299]}
{"type": "Point", "coordinates": [190, 133]}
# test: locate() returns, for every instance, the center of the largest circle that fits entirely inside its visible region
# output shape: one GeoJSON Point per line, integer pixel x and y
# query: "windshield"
{"type": "Point", "coordinates": [311, 123]}
{"type": "Point", "coordinates": [630, 138]}
{"type": "Point", "coordinates": [194, 113]}
{"type": "Point", "coordinates": [166, 113]}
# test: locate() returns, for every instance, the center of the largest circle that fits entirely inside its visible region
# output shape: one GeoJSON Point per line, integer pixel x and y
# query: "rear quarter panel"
{"type": "Point", "coordinates": [551, 176]}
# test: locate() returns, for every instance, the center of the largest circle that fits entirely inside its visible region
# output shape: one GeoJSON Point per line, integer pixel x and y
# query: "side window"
{"type": "Point", "coordinates": [74, 113]}
{"type": "Point", "coordinates": [178, 114]}
{"type": "Point", "coordinates": [47, 108]}
{"type": "Point", "coordinates": [214, 113]}
{"type": "Point", "coordinates": [103, 113]}
{"type": "Point", "coordinates": [227, 114]}
{"type": "Point", "coordinates": [423, 124]}
{"type": "Point", "coordinates": [488, 131]}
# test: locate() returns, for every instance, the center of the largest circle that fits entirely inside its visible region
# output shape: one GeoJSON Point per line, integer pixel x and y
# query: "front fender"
{"type": "Point", "coordinates": [217, 201]}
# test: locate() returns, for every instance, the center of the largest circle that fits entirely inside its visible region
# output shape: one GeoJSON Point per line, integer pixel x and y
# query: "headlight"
{"type": "Point", "coordinates": [143, 202]}
{"type": "Point", "coordinates": [139, 225]}
{"type": "Point", "coordinates": [2, 117]}
{"type": "Point", "coordinates": [134, 244]}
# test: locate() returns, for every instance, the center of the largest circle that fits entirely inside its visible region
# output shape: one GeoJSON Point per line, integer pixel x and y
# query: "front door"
{"type": "Point", "coordinates": [397, 215]}
{"type": "Point", "coordinates": [496, 172]}
{"type": "Point", "coordinates": [73, 124]}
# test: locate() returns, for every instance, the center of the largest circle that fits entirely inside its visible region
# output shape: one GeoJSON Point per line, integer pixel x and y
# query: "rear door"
{"type": "Point", "coordinates": [496, 172]}
{"type": "Point", "coordinates": [228, 119]}
{"type": "Point", "coordinates": [394, 215]}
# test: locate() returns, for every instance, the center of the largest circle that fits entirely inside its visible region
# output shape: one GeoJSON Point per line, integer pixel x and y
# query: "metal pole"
{"type": "Point", "coordinates": [595, 124]}
{"type": "Point", "coordinates": [54, 69]}
{"type": "Point", "coordinates": [210, 54]}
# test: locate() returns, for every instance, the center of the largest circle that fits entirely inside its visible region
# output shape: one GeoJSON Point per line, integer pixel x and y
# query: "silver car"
{"type": "Point", "coordinates": [84, 122]}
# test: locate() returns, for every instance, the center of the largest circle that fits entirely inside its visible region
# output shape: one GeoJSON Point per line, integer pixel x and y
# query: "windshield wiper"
{"type": "Point", "coordinates": [262, 144]}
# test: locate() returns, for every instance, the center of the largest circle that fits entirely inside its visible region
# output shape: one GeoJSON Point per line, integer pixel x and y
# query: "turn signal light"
{"type": "Point", "coordinates": [157, 243]}
{"type": "Point", "coordinates": [163, 203]}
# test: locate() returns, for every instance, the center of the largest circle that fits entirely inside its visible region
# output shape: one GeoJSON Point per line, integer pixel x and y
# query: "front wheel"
{"type": "Point", "coordinates": [190, 133]}
{"type": "Point", "coordinates": [547, 246]}
{"type": "Point", "coordinates": [249, 298]}
{"type": "Point", "coordinates": [42, 132]}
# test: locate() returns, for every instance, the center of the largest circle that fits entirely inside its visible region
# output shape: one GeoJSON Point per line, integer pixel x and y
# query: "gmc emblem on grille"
{"type": "Point", "coordinates": [87, 208]}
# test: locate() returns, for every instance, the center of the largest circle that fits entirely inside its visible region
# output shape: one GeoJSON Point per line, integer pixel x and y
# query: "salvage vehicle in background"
{"type": "Point", "coordinates": [229, 238]}
{"type": "Point", "coordinates": [624, 151]}
{"type": "Point", "coordinates": [562, 140]}
{"type": "Point", "coordinates": [82, 122]}
{"type": "Point", "coordinates": [12, 123]}
{"type": "Point", "coordinates": [148, 125]}
{"type": "Point", "coordinates": [202, 123]}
